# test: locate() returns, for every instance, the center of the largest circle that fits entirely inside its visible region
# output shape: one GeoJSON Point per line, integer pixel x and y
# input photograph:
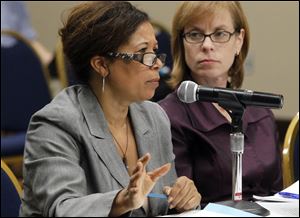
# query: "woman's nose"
{"type": "Point", "coordinates": [207, 43]}
{"type": "Point", "coordinates": [158, 64]}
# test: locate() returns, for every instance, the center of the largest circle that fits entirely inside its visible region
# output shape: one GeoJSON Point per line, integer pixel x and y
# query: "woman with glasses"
{"type": "Point", "coordinates": [210, 44]}
{"type": "Point", "coordinates": [100, 149]}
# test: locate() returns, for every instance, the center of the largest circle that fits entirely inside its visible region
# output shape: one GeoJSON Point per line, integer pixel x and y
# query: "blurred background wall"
{"type": "Point", "coordinates": [273, 61]}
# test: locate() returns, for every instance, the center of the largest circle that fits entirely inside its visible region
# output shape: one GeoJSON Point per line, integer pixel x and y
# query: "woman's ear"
{"type": "Point", "coordinates": [240, 41]}
{"type": "Point", "coordinates": [99, 65]}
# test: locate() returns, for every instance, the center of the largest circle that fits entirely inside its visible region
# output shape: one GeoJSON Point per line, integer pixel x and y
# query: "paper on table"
{"type": "Point", "coordinates": [226, 210]}
{"type": "Point", "coordinates": [284, 206]}
{"type": "Point", "coordinates": [198, 213]}
{"type": "Point", "coordinates": [281, 209]}
{"type": "Point", "coordinates": [273, 198]}
{"type": "Point", "coordinates": [215, 210]}
{"type": "Point", "coordinates": [294, 188]}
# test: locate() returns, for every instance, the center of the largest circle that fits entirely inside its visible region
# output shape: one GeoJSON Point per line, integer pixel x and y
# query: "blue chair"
{"type": "Point", "coordinates": [10, 193]}
{"type": "Point", "coordinates": [24, 90]}
{"type": "Point", "coordinates": [163, 38]}
{"type": "Point", "coordinates": [12, 145]}
{"type": "Point", "coordinates": [290, 164]}
{"type": "Point", "coordinates": [24, 84]}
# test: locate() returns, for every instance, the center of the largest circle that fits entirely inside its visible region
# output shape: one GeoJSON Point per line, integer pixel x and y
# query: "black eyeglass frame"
{"type": "Point", "coordinates": [139, 57]}
{"type": "Point", "coordinates": [210, 36]}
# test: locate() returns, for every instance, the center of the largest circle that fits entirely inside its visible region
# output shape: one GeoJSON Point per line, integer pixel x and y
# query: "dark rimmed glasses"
{"type": "Point", "coordinates": [147, 58]}
{"type": "Point", "coordinates": [220, 36]}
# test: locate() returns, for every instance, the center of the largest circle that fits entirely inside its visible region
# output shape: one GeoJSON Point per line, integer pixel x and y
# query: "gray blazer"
{"type": "Point", "coordinates": [71, 165]}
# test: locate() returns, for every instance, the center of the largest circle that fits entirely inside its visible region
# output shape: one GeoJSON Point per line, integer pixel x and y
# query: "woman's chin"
{"type": "Point", "coordinates": [147, 96]}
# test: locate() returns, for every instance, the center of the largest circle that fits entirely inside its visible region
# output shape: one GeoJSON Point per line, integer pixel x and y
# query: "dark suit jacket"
{"type": "Point", "coordinates": [71, 164]}
{"type": "Point", "coordinates": [201, 140]}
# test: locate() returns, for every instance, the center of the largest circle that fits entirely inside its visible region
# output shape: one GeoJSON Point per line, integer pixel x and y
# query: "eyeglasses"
{"type": "Point", "coordinates": [148, 58]}
{"type": "Point", "coordinates": [220, 36]}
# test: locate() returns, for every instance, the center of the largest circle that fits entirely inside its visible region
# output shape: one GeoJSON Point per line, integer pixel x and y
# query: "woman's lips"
{"type": "Point", "coordinates": [207, 61]}
{"type": "Point", "coordinates": [153, 82]}
{"type": "Point", "coordinates": [156, 80]}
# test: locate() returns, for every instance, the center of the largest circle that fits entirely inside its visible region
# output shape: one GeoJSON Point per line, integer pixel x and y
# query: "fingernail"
{"type": "Point", "coordinates": [168, 190]}
{"type": "Point", "coordinates": [171, 206]}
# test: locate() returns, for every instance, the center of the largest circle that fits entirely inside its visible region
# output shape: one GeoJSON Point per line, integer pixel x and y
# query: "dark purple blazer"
{"type": "Point", "coordinates": [201, 140]}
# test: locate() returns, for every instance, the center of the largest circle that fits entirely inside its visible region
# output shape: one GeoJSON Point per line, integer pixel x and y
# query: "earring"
{"type": "Point", "coordinates": [237, 53]}
{"type": "Point", "coordinates": [103, 84]}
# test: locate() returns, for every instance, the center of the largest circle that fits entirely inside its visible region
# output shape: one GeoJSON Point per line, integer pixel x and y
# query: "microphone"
{"type": "Point", "coordinates": [189, 92]}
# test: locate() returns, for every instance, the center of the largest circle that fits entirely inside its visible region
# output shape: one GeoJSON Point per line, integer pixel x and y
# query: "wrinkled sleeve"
{"type": "Point", "coordinates": [56, 183]}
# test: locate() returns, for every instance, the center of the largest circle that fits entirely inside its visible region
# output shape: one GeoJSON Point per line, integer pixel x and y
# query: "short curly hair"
{"type": "Point", "coordinates": [96, 28]}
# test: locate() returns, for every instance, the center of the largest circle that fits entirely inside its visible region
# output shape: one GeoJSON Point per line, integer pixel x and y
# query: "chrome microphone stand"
{"type": "Point", "coordinates": [236, 111]}
{"type": "Point", "coordinates": [237, 149]}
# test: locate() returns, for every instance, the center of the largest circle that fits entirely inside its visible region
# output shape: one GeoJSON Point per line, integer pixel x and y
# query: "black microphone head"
{"type": "Point", "coordinates": [187, 91]}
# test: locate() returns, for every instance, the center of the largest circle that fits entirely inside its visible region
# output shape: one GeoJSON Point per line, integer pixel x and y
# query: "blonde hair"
{"type": "Point", "coordinates": [190, 10]}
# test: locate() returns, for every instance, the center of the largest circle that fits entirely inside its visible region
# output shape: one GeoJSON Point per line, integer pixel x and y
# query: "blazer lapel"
{"type": "Point", "coordinates": [141, 130]}
{"type": "Point", "coordinates": [146, 143]}
{"type": "Point", "coordinates": [103, 143]}
{"type": "Point", "coordinates": [105, 148]}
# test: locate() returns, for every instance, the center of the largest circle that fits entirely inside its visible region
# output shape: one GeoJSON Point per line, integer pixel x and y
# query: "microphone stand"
{"type": "Point", "coordinates": [236, 110]}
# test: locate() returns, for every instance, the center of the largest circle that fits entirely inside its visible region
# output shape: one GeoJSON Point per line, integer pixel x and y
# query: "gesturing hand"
{"type": "Point", "coordinates": [183, 195]}
{"type": "Point", "coordinates": [142, 182]}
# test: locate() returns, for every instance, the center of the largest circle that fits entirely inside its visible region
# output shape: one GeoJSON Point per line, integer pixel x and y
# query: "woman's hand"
{"type": "Point", "coordinates": [183, 195]}
{"type": "Point", "coordinates": [140, 185]}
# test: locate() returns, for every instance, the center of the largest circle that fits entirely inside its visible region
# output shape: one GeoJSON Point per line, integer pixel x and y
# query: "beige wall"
{"type": "Point", "coordinates": [272, 65]}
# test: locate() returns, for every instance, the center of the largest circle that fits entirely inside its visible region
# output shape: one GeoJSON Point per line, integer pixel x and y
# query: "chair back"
{"type": "Point", "coordinates": [63, 67]}
{"type": "Point", "coordinates": [24, 84]}
{"type": "Point", "coordinates": [290, 164]}
{"type": "Point", "coordinates": [10, 193]}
